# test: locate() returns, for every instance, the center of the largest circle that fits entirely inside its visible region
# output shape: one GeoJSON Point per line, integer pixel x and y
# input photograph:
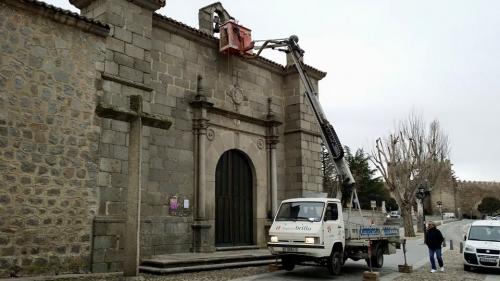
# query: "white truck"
{"type": "Point", "coordinates": [313, 231]}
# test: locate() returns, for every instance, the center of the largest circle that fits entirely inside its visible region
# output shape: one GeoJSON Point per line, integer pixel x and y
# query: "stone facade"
{"type": "Point", "coordinates": [67, 133]}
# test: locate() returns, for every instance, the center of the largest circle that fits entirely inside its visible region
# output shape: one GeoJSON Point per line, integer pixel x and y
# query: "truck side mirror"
{"type": "Point", "coordinates": [465, 237]}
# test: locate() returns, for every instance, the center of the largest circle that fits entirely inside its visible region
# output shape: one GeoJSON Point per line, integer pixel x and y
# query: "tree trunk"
{"type": "Point", "coordinates": [408, 221]}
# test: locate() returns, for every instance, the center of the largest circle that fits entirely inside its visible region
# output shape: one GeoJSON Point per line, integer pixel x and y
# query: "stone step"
{"type": "Point", "coordinates": [205, 267]}
{"type": "Point", "coordinates": [165, 264]}
{"type": "Point", "coordinates": [235, 248]}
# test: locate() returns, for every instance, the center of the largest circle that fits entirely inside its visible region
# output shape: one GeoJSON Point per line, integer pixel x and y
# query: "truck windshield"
{"type": "Point", "coordinates": [294, 211]}
{"type": "Point", "coordinates": [485, 233]}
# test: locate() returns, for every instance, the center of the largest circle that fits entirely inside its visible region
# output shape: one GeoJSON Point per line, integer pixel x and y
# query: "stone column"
{"type": "Point", "coordinates": [201, 182]}
{"type": "Point", "coordinates": [200, 227]}
{"type": "Point", "coordinates": [274, 180]}
{"type": "Point", "coordinates": [272, 140]}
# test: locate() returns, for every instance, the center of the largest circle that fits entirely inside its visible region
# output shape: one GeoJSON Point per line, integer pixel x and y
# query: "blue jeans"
{"type": "Point", "coordinates": [438, 256]}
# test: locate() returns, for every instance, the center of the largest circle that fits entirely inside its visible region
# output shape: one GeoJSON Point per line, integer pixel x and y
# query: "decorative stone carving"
{"type": "Point", "coordinates": [210, 134]}
{"type": "Point", "coordinates": [260, 143]}
{"type": "Point", "coordinates": [237, 95]}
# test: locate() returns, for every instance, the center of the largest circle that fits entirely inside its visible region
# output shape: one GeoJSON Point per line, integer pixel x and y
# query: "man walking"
{"type": "Point", "coordinates": [434, 241]}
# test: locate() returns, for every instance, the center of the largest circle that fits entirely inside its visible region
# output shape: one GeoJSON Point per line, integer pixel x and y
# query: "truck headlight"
{"type": "Point", "coordinates": [312, 240]}
{"type": "Point", "coordinates": [274, 239]}
{"type": "Point", "coordinates": [470, 249]}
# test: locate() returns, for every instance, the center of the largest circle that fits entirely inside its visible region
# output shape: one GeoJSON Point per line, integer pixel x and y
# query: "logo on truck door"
{"type": "Point", "coordinates": [303, 227]}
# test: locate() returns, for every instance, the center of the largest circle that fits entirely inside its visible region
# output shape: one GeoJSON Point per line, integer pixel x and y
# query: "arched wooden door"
{"type": "Point", "coordinates": [233, 200]}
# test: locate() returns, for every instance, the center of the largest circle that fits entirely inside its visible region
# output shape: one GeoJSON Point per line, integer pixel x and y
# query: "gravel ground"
{"type": "Point", "coordinates": [216, 275]}
{"type": "Point", "coordinates": [454, 271]}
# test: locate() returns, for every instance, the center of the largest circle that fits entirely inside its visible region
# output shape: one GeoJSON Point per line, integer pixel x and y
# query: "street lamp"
{"type": "Point", "coordinates": [421, 195]}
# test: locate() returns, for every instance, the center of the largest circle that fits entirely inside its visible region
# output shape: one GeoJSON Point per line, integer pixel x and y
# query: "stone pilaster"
{"type": "Point", "coordinates": [126, 73]}
{"type": "Point", "coordinates": [272, 139]}
{"type": "Point", "coordinates": [302, 140]}
{"type": "Point", "coordinates": [201, 228]}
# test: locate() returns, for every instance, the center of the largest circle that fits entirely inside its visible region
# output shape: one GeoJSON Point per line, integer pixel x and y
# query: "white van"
{"type": "Point", "coordinates": [449, 215]}
{"type": "Point", "coordinates": [482, 245]}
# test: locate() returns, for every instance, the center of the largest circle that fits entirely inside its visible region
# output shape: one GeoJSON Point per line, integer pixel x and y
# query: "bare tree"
{"type": "Point", "coordinates": [438, 147]}
{"type": "Point", "coordinates": [410, 156]}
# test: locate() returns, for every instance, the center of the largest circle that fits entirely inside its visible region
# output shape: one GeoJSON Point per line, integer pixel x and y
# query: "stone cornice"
{"type": "Point", "coordinates": [245, 118]}
{"type": "Point", "coordinates": [62, 16]}
{"type": "Point", "coordinates": [302, 131]}
{"type": "Point", "coordinates": [141, 86]}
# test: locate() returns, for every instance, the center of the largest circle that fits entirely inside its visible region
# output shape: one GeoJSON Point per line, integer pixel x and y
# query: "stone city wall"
{"type": "Point", "coordinates": [471, 193]}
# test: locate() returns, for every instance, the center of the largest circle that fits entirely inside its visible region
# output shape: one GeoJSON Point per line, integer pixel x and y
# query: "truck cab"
{"type": "Point", "coordinates": [307, 229]}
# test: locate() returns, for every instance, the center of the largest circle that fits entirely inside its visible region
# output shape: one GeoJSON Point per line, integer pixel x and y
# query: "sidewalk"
{"type": "Point", "coordinates": [453, 271]}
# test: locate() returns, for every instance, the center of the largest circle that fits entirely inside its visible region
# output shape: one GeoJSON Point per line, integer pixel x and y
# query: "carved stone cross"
{"type": "Point", "coordinates": [137, 118]}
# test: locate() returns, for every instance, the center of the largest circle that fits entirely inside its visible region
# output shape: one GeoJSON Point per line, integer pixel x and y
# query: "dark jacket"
{"type": "Point", "coordinates": [434, 238]}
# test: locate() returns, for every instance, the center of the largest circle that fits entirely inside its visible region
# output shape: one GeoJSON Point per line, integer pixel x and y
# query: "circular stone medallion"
{"type": "Point", "coordinates": [237, 95]}
{"type": "Point", "coordinates": [210, 134]}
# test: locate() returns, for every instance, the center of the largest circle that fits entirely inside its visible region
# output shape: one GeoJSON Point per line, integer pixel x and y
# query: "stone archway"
{"type": "Point", "coordinates": [233, 200]}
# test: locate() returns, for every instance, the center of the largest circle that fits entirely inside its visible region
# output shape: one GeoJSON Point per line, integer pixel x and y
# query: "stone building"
{"type": "Point", "coordinates": [119, 106]}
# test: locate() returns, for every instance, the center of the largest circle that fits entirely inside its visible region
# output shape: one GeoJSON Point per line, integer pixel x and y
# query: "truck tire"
{"type": "Point", "coordinates": [334, 263]}
{"type": "Point", "coordinates": [288, 263]}
{"type": "Point", "coordinates": [377, 260]}
{"type": "Point", "coordinates": [467, 267]}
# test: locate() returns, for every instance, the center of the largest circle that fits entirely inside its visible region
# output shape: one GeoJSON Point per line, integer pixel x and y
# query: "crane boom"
{"type": "Point", "coordinates": [328, 134]}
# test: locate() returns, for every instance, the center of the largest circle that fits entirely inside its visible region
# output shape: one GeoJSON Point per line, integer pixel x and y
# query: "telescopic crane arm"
{"type": "Point", "coordinates": [329, 136]}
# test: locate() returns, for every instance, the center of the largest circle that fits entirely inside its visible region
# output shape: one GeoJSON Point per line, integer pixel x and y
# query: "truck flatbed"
{"type": "Point", "coordinates": [371, 232]}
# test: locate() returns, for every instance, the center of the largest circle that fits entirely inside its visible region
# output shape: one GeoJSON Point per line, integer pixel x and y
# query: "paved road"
{"type": "Point", "coordinates": [416, 255]}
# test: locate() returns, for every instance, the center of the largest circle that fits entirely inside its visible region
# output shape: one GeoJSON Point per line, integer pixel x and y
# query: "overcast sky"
{"type": "Point", "coordinates": [387, 58]}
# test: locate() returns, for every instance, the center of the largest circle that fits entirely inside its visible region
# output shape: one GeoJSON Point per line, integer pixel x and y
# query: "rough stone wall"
{"type": "Point", "coordinates": [48, 142]}
{"type": "Point", "coordinates": [470, 194]}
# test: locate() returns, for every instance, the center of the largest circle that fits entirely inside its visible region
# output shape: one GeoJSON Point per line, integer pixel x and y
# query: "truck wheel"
{"type": "Point", "coordinates": [288, 263]}
{"type": "Point", "coordinates": [334, 264]}
{"type": "Point", "coordinates": [467, 267]}
{"type": "Point", "coordinates": [377, 260]}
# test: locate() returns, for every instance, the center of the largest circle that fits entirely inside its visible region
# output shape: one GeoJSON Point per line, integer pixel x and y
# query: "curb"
{"type": "Point", "coordinates": [62, 276]}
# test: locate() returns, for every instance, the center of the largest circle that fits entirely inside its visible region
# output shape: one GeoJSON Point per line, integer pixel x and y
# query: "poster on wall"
{"type": "Point", "coordinates": [173, 204]}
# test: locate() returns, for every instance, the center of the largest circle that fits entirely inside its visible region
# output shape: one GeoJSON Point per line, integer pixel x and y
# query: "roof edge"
{"type": "Point", "coordinates": [195, 34]}
{"type": "Point", "coordinates": [61, 15]}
